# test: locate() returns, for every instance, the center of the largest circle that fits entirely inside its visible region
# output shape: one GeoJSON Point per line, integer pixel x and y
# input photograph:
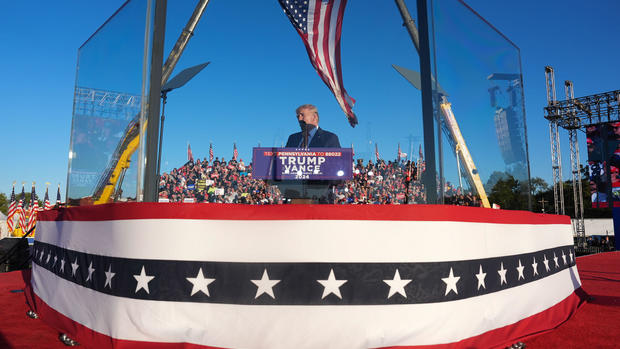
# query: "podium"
{"type": "Point", "coordinates": [304, 176]}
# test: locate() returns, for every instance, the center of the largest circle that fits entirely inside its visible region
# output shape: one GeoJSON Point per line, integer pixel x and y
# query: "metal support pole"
{"type": "Point", "coordinates": [556, 166]}
{"type": "Point", "coordinates": [155, 80]}
{"type": "Point", "coordinates": [556, 160]}
{"type": "Point", "coordinates": [164, 97]}
{"type": "Point", "coordinates": [428, 118]}
{"type": "Point", "coordinates": [458, 167]}
{"type": "Point", "coordinates": [573, 125]}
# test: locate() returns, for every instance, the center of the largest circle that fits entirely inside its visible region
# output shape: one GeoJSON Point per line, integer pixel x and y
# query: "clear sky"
{"type": "Point", "coordinates": [260, 73]}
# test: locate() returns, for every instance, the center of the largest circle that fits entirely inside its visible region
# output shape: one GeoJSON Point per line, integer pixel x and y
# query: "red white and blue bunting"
{"type": "Point", "coordinates": [302, 276]}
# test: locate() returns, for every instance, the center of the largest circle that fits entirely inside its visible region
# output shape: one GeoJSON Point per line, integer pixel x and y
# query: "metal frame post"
{"type": "Point", "coordinates": [428, 117]}
{"type": "Point", "coordinates": [573, 125]}
{"type": "Point", "coordinates": [152, 135]}
{"type": "Point", "coordinates": [556, 160]}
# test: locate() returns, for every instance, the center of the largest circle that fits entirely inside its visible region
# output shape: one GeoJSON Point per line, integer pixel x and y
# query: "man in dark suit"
{"type": "Point", "coordinates": [308, 118]}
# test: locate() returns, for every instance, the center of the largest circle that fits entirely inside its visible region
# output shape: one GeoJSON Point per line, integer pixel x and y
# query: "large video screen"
{"type": "Point", "coordinates": [604, 163]}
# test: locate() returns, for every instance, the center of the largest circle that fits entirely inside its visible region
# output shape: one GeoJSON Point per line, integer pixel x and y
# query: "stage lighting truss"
{"type": "Point", "coordinates": [574, 114]}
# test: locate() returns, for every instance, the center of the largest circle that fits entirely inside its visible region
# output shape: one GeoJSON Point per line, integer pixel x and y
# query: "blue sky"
{"type": "Point", "coordinates": [260, 73]}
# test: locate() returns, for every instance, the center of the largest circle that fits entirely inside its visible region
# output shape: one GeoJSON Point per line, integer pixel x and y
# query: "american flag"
{"type": "Point", "coordinates": [319, 23]}
{"type": "Point", "coordinates": [34, 208]}
{"type": "Point", "coordinates": [235, 152]}
{"type": "Point", "coordinates": [21, 214]}
{"type": "Point", "coordinates": [400, 153]}
{"type": "Point", "coordinates": [12, 211]}
{"type": "Point", "coordinates": [47, 204]}
{"type": "Point", "coordinates": [210, 152]}
{"type": "Point", "coordinates": [190, 157]}
{"type": "Point", "coordinates": [377, 157]}
{"type": "Point", "coordinates": [58, 201]}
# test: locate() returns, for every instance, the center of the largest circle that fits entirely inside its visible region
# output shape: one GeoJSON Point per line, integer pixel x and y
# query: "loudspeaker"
{"type": "Point", "coordinates": [19, 254]}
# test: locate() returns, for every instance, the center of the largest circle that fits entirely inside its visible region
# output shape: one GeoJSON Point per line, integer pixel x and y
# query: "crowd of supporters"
{"type": "Point", "coordinates": [221, 181]}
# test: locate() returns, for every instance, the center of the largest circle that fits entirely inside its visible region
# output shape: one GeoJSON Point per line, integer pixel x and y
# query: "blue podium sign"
{"type": "Point", "coordinates": [295, 164]}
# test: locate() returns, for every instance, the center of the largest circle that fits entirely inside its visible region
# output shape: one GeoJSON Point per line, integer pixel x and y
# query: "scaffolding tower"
{"type": "Point", "coordinates": [573, 114]}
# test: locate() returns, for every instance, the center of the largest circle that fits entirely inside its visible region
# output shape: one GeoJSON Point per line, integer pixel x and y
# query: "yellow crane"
{"type": "Point", "coordinates": [462, 151]}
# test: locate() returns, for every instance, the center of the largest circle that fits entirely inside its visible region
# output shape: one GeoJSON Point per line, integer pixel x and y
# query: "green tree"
{"type": "Point", "coordinates": [493, 179]}
{"type": "Point", "coordinates": [4, 203]}
{"type": "Point", "coordinates": [509, 193]}
{"type": "Point", "coordinates": [539, 185]}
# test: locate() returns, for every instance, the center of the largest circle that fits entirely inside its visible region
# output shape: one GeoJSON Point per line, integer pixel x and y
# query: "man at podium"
{"type": "Point", "coordinates": [311, 136]}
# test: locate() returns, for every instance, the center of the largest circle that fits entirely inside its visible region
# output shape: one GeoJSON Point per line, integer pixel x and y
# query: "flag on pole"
{"type": "Point", "coordinates": [421, 164]}
{"type": "Point", "coordinates": [377, 157]}
{"type": "Point", "coordinates": [34, 209]}
{"type": "Point", "coordinates": [47, 205]}
{"type": "Point", "coordinates": [190, 157]}
{"type": "Point", "coordinates": [58, 201]}
{"type": "Point", "coordinates": [12, 211]}
{"type": "Point", "coordinates": [400, 153]}
{"type": "Point", "coordinates": [21, 214]}
{"type": "Point", "coordinates": [319, 23]}
{"type": "Point", "coordinates": [235, 152]}
{"type": "Point", "coordinates": [210, 152]}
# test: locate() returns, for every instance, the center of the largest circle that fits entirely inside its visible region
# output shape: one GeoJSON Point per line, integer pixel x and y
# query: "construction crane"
{"type": "Point", "coordinates": [108, 187]}
{"type": "Point", "coordinates": [455, 137]}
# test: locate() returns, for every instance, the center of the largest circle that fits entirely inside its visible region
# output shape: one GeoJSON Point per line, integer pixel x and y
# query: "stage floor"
{"type": "Point", "coordinates": [593, 326]}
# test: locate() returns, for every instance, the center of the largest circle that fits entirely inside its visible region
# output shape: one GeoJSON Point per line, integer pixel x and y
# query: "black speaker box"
{"type": "Point", "coordinates": [17, 251]}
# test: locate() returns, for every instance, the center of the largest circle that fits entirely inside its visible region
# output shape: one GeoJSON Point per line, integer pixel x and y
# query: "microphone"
{"type": "Point", "coordinates": [304, 129]}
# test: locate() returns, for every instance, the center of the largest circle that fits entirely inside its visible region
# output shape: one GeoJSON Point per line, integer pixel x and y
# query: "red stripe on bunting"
{"type": "Point", "coordinates": [152, 210]}
{"type": "Point", "coordinates": [498, 338]}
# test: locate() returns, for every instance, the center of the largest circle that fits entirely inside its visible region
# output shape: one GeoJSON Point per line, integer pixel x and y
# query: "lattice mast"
{"type": "Point", "coordinates": [572, 124]}
{"type": "Point", "coordinates": [556, 160]}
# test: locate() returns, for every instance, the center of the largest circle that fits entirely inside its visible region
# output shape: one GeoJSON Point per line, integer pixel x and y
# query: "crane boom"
{"type": "Point", "coordinates": [463, 152]}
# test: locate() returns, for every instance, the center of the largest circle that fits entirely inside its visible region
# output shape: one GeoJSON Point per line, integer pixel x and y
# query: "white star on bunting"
{"type": "Point", "coordinates": [571, 256]}
{"type": "Point", "coordinates": [481, 276]}
{"type": "Point", "coordinates": [200, 283]}
{"type": "Point", "coordinates": [74, 267]}
{"type": "Point", "coordinates": [564, 257]}
{"type": "Point", "coordinates": [47, 260]}
{"type": "Point", "coordinates": [451, 281]}
{"type": "Point", "coordinates": [90, 271]}
{"type": "Point", "coordinates": [41, 256]}
{"type": "Point", "coordinates": [502, 275]}
{"type": "Point", "coordinates": [397, 285]}
{"type": "Point", "coordinates": [143, 281]}
{"type": "Point", "coordinates": [56, 258]}
{"type": "Point", "coordinates": [332, 285]}
{"type": "Point", "coordinates": [546, 261]}
{"type": "Point", "coordinates": [108, 277]}
{"type": "Point", "coordinates": [520, 270]}
{"type": "Point", "coordinates": [265, 285]}
{"type": "Point", "coordinates": [555, 259]}
{"type": "Point", "coordinates": [535, 266]}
